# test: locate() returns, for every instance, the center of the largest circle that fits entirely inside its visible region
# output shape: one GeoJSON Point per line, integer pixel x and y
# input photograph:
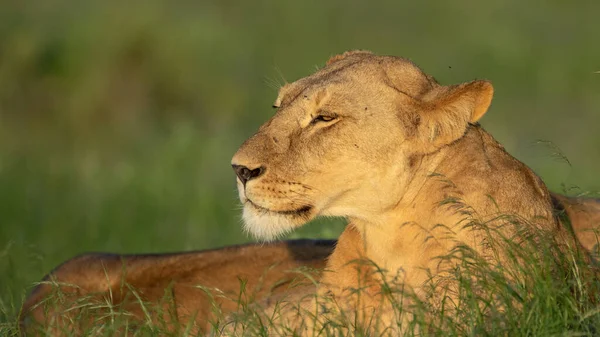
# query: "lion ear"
{"type": "Point", "coordinates": [444, 117]}
{"type": "Point", "coordinates": [340, 57]}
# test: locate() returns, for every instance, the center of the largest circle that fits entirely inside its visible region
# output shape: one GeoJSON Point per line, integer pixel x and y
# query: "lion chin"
{"type": "Point", "coordinates": [267, 225]}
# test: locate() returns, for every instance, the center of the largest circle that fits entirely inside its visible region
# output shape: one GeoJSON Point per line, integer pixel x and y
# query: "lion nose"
{"type": "Point", "coordinates": [245, 174]}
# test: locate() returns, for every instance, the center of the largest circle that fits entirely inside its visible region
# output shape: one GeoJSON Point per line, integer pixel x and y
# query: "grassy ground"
{"type": "Point", "coordinates": [117, 122]}
{"type": "Point", "coordinates": [534, 289]}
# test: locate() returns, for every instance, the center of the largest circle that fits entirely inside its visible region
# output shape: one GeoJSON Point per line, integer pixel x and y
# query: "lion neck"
{"type": "Point", "coordinates": [470, 179]}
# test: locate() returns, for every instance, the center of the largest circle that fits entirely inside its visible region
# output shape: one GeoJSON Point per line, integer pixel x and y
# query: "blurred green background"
{"type": "Point", "coordinates": [118, 119]}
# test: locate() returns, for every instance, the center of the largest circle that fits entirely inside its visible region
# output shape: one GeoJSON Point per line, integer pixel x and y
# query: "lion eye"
{"type": "Point", "coordinates": [322, 118]}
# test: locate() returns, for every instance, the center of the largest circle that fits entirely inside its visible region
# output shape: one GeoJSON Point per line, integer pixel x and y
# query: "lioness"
{"type": "Point", "coordinates": [360, 138]}
{"type": "Point", "coordinates": [376, 140]}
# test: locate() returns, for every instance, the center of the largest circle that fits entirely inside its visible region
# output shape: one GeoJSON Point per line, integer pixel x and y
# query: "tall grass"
{"type": "Point", "coordinates": [529, 283]}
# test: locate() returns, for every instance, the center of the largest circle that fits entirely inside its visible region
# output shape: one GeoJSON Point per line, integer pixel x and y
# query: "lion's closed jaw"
{"type": "Point", "coordinates": [270, 225]}
{"type": "Point", "coordinates": [274, 207]}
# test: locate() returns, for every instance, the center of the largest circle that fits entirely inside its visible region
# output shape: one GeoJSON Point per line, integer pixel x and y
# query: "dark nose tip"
{"type": "Point", "coordinates": [245, 174]}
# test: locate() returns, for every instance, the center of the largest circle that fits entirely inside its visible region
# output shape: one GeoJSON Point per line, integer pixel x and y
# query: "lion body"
{"type": "Point", "coordinates": [369, 138]}
{"type": "Point", "coordinates": [177, 289]}
{"type": "Point", "coordinates": [584, 217]}
{"type": "Point", "coordinates": [261, 266]}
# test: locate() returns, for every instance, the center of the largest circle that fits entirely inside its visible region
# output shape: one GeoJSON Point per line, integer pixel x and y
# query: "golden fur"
{"type": "Point", "coordinates": [169, 283]}
{"type": "Point", "coordinates": [376, 140]}
{"type": "Point", "coordinates": [584, 217]}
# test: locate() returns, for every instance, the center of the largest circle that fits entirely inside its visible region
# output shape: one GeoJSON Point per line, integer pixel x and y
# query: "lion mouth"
{"type": "Point", "coordinates": [302, 211]}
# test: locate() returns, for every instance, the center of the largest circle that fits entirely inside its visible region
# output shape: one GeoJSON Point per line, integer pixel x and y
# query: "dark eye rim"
{"type": "Point", "coordinates": [321, 118]}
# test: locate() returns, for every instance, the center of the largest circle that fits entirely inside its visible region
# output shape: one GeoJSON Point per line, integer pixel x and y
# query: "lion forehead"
{"type": "Point", "coordinates": [359, 71]}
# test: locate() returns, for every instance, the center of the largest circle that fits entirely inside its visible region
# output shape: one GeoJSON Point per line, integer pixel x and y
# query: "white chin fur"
{"type": "Point", "coordinates": [266, 226]}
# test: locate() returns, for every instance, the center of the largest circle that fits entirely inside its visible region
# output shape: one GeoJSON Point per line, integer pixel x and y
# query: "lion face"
{"type": "Point", "coordinates": [344, 141]}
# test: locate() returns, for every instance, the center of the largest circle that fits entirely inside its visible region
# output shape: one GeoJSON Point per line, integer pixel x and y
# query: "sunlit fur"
{"type": "Point", "coordinates": [402, 157]}
{"type": "Point", "coordinates": [92, 291]}
{"type": "Point", "coordinates": [265, 225]}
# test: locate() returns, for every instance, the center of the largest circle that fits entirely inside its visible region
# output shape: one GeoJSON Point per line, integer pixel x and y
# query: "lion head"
{"type": "Point", "coordinates": [344, 141]}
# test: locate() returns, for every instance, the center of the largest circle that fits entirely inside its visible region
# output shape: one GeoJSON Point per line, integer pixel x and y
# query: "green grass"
{"type": "Point", "coordinates": [529, 287]}
{"type": "Point", "coordinates": [118, 122]}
